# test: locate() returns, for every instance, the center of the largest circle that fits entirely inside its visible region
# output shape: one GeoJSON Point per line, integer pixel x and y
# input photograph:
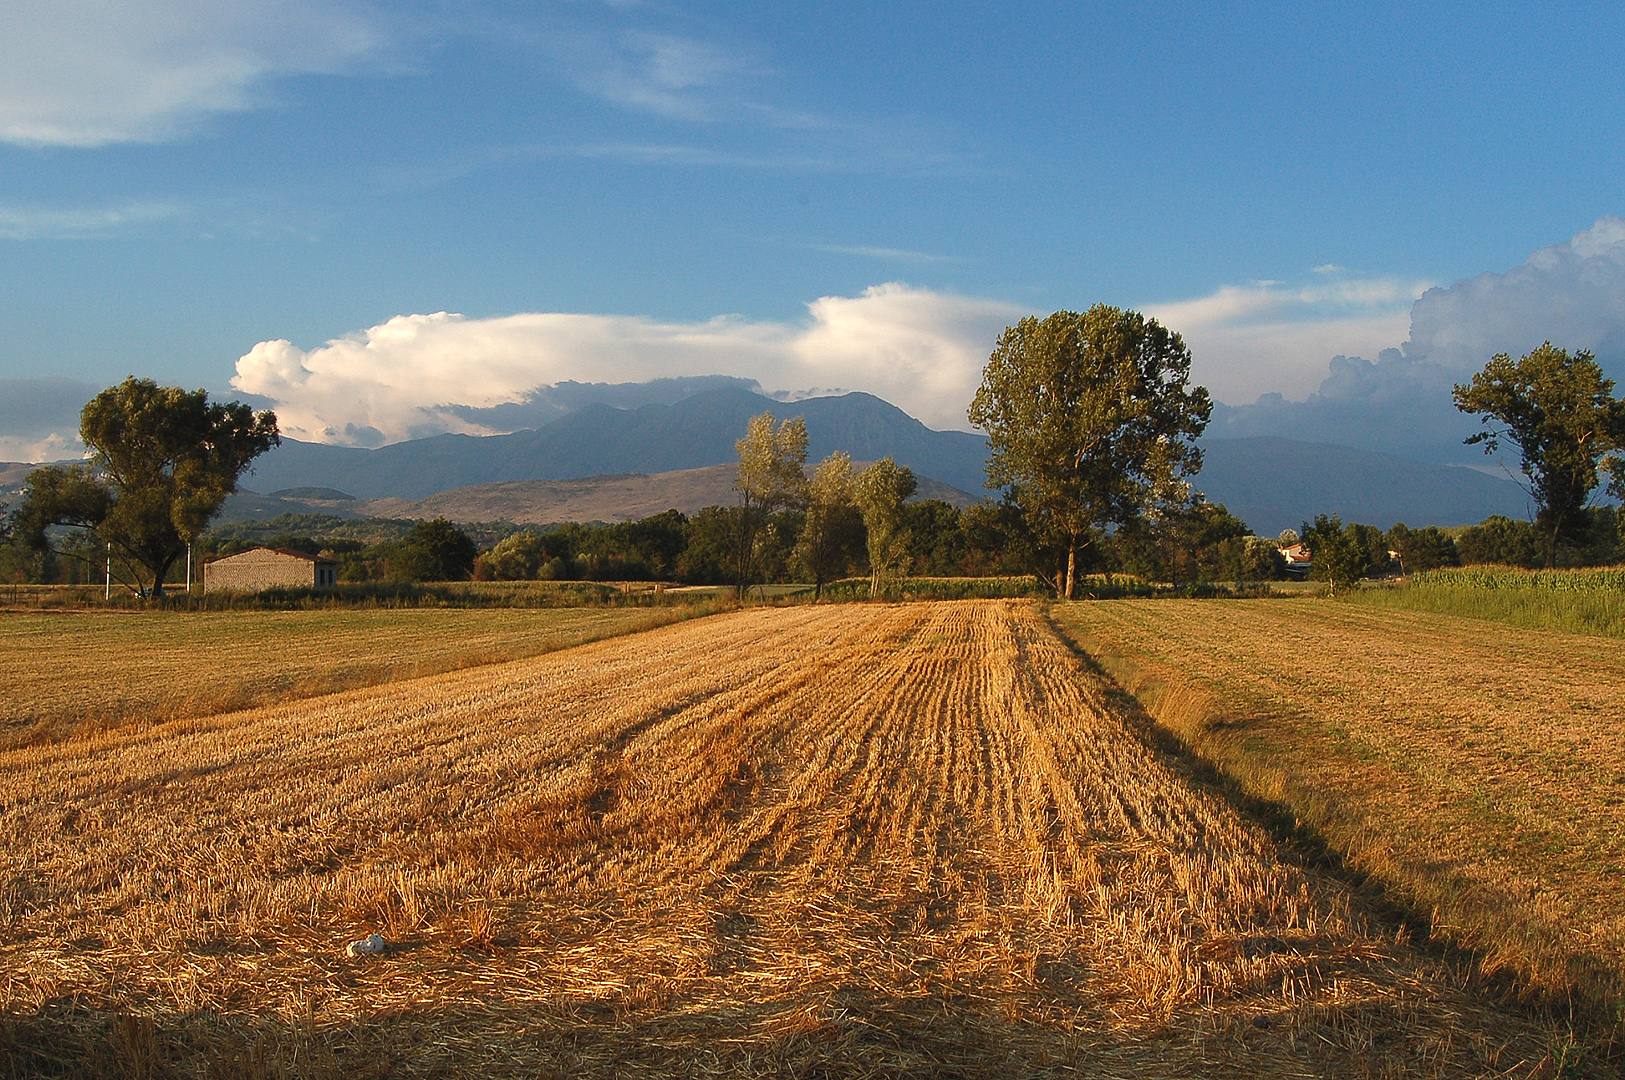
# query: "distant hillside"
{"type": "Point", "coordinates": [14, 477]}
{"type": "Point", "coordinates": [545, 502]}
{"type": "Point", "coordinates": [249, 505]}
{"type": "Point", "coordinates": [1274, 484]}
{"type": "Point", "coordinates": [605, 463]}
{"type": "Point", "coordinates": [599, 440]}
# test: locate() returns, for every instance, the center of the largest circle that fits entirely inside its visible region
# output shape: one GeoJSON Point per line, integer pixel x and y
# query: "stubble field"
{"type": "Point", "coordinates": [856, 840]}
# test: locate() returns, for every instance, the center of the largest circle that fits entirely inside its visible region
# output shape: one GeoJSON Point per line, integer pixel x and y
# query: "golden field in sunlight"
{"type": "Point", "coordinates": [914, 840]}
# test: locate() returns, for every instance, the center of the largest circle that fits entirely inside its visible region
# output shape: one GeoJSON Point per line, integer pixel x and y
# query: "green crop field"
{"type": "Point", "coordinates": [1578, 601]}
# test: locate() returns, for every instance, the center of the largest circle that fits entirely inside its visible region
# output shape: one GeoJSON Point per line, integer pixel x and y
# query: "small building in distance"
{"type": "Point", "coordinates": [1297, 557]}
{"type": "Point", "coordinates": [265, 568]}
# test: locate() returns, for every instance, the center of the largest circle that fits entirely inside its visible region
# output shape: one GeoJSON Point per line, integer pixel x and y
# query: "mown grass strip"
{"type": "Point", "coordinates": [77, 673]}
{"type": "Point", "coordinates": [1477, 773]}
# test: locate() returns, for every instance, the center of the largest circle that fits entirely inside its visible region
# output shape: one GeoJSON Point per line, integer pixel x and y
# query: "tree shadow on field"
{"type": "Point", "coordinates": [1297, 842]}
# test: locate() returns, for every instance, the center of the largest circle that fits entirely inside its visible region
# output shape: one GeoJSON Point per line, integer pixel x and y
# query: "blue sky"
{"type": "Point", "coordinates": [832, 195]}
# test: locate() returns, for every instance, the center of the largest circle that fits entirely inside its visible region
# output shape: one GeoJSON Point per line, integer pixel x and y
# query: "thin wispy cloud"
{"type": "Point", "coordinates": [90, 73]}
{"type": "Point", "coordinates": [775, 156]}
{"type": "Point", "coordinates": [886, 254]}
{"type": "Point", "coordinates": [51, 223]}
{"type": "Point", "coordinates": [715, 99]}
{"type": "Point", "coordinates": [669, 75]}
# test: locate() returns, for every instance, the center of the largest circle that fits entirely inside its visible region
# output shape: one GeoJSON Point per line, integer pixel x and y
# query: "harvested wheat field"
{"type": "Point", "coordinates": [1477, 769]}
{"type": "Point", "coordinates": [857, 840]}
{"type": "Point", "coordinates": [75, 672]}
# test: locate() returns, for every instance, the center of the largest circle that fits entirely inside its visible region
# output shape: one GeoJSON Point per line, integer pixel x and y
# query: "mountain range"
{"type": "Point", "coordinates": [599, 439]}
{"type": "Point", "coordinates": [603, 462]}
{"type": "Point", "coordinates": [613, 459]}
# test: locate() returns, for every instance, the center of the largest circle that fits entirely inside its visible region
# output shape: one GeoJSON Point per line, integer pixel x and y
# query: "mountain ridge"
{"type": "Point", "coordinates": [1271, 482]}
{"type": "Point", "coordinates": [598, 439]}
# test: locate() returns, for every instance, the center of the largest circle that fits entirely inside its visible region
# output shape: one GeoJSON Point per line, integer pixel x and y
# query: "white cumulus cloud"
{"type": "Point", "coordinates": [1267, 337]}
{"type": "Point", "coordinates": [1571, 294]}
{"type": "Point", "coordinates": [94, 72]}
{"type": "Point", "coordinates": [921, 350]}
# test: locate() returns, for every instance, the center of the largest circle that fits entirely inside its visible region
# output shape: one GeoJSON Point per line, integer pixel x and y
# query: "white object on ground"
{"type": "Point", "coordinates": [371, 945]}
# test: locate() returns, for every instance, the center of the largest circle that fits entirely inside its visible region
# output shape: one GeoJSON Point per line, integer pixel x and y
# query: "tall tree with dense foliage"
{"type": "Point", "coordinates": [1088, 416]}
{"type": "Point", "coordinates": [880, 492]}
{"type": "Point", "coordinates": [163, 461]}
{"type": "Point", "coordinates": [832, 529]}
{"type": "Point", "coordinates": [772, 476]}
{"type": "Point", "coordinates": [1561, 414]}
{"type": "Point", "coordinates": [1338, 555]}
{"type": "Point", "coordinates": [1423, 549]}
{"type": "Point", "coordinates": [434, 551]}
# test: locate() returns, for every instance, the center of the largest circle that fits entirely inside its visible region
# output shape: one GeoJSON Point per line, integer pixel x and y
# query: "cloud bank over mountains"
{"type": "Point", "coordinates": [416, 375]}
{"type": "Point", "coordinates": [1571, 294]}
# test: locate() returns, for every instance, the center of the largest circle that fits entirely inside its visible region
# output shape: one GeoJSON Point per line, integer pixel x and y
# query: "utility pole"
{"type": "Point", "coordinates": [108, 593]}
{"type": "Point", "coordinates": [189, 566]}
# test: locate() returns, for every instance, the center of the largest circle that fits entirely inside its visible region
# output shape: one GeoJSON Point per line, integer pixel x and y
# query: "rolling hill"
{"type": "Point", "coordinates": [597, 498]}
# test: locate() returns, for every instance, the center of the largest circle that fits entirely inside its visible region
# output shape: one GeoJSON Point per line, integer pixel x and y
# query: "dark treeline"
{"type": "Point", "coordinates": [1205, 545]}
{"type": "Point", "coordinates": [1593, 540]}
{"type": "Point", "coordinates": [935, 539]}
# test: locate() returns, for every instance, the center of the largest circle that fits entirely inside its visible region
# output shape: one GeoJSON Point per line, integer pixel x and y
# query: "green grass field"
{"type": "Point", "coordinates": [1575, 601]}
{"type": "Point", "coordinates": [81, 671]}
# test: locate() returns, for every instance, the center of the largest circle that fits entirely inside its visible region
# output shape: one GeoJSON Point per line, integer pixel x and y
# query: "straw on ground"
{"type": "Point", "coordinates": [854, 840]}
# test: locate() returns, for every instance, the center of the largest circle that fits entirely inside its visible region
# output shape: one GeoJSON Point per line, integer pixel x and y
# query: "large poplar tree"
{"type": "Point", "coordinates": [833, 529]}
{"type": "Point", "coordinates": [880, 491]}
{"type": "Point", "coordinates": [772, 476]}
{"type": "Point", "coordinates": [1089, 418]}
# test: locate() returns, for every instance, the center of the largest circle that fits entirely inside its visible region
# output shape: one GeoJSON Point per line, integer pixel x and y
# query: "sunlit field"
{"type": "Point", "coordinates": [81, 671]}
{"type": "Point", "coordinates": [916, 840]}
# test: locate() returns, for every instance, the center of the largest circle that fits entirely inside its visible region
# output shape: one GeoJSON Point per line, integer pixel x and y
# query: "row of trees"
{"type": "Point", "coordinates": [1092, 430]}
{"type": "Point", "coordinates": [1345, 553]}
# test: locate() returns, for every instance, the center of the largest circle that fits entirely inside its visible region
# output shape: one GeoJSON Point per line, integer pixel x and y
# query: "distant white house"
{"type": "Point", "coordinates": [1296, 556]}
{"type": "Point", "coordinates": [266, 568]}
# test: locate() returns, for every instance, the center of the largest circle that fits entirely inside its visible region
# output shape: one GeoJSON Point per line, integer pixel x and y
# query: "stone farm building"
{"type": "Point", "coordinates": [265, 568]}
